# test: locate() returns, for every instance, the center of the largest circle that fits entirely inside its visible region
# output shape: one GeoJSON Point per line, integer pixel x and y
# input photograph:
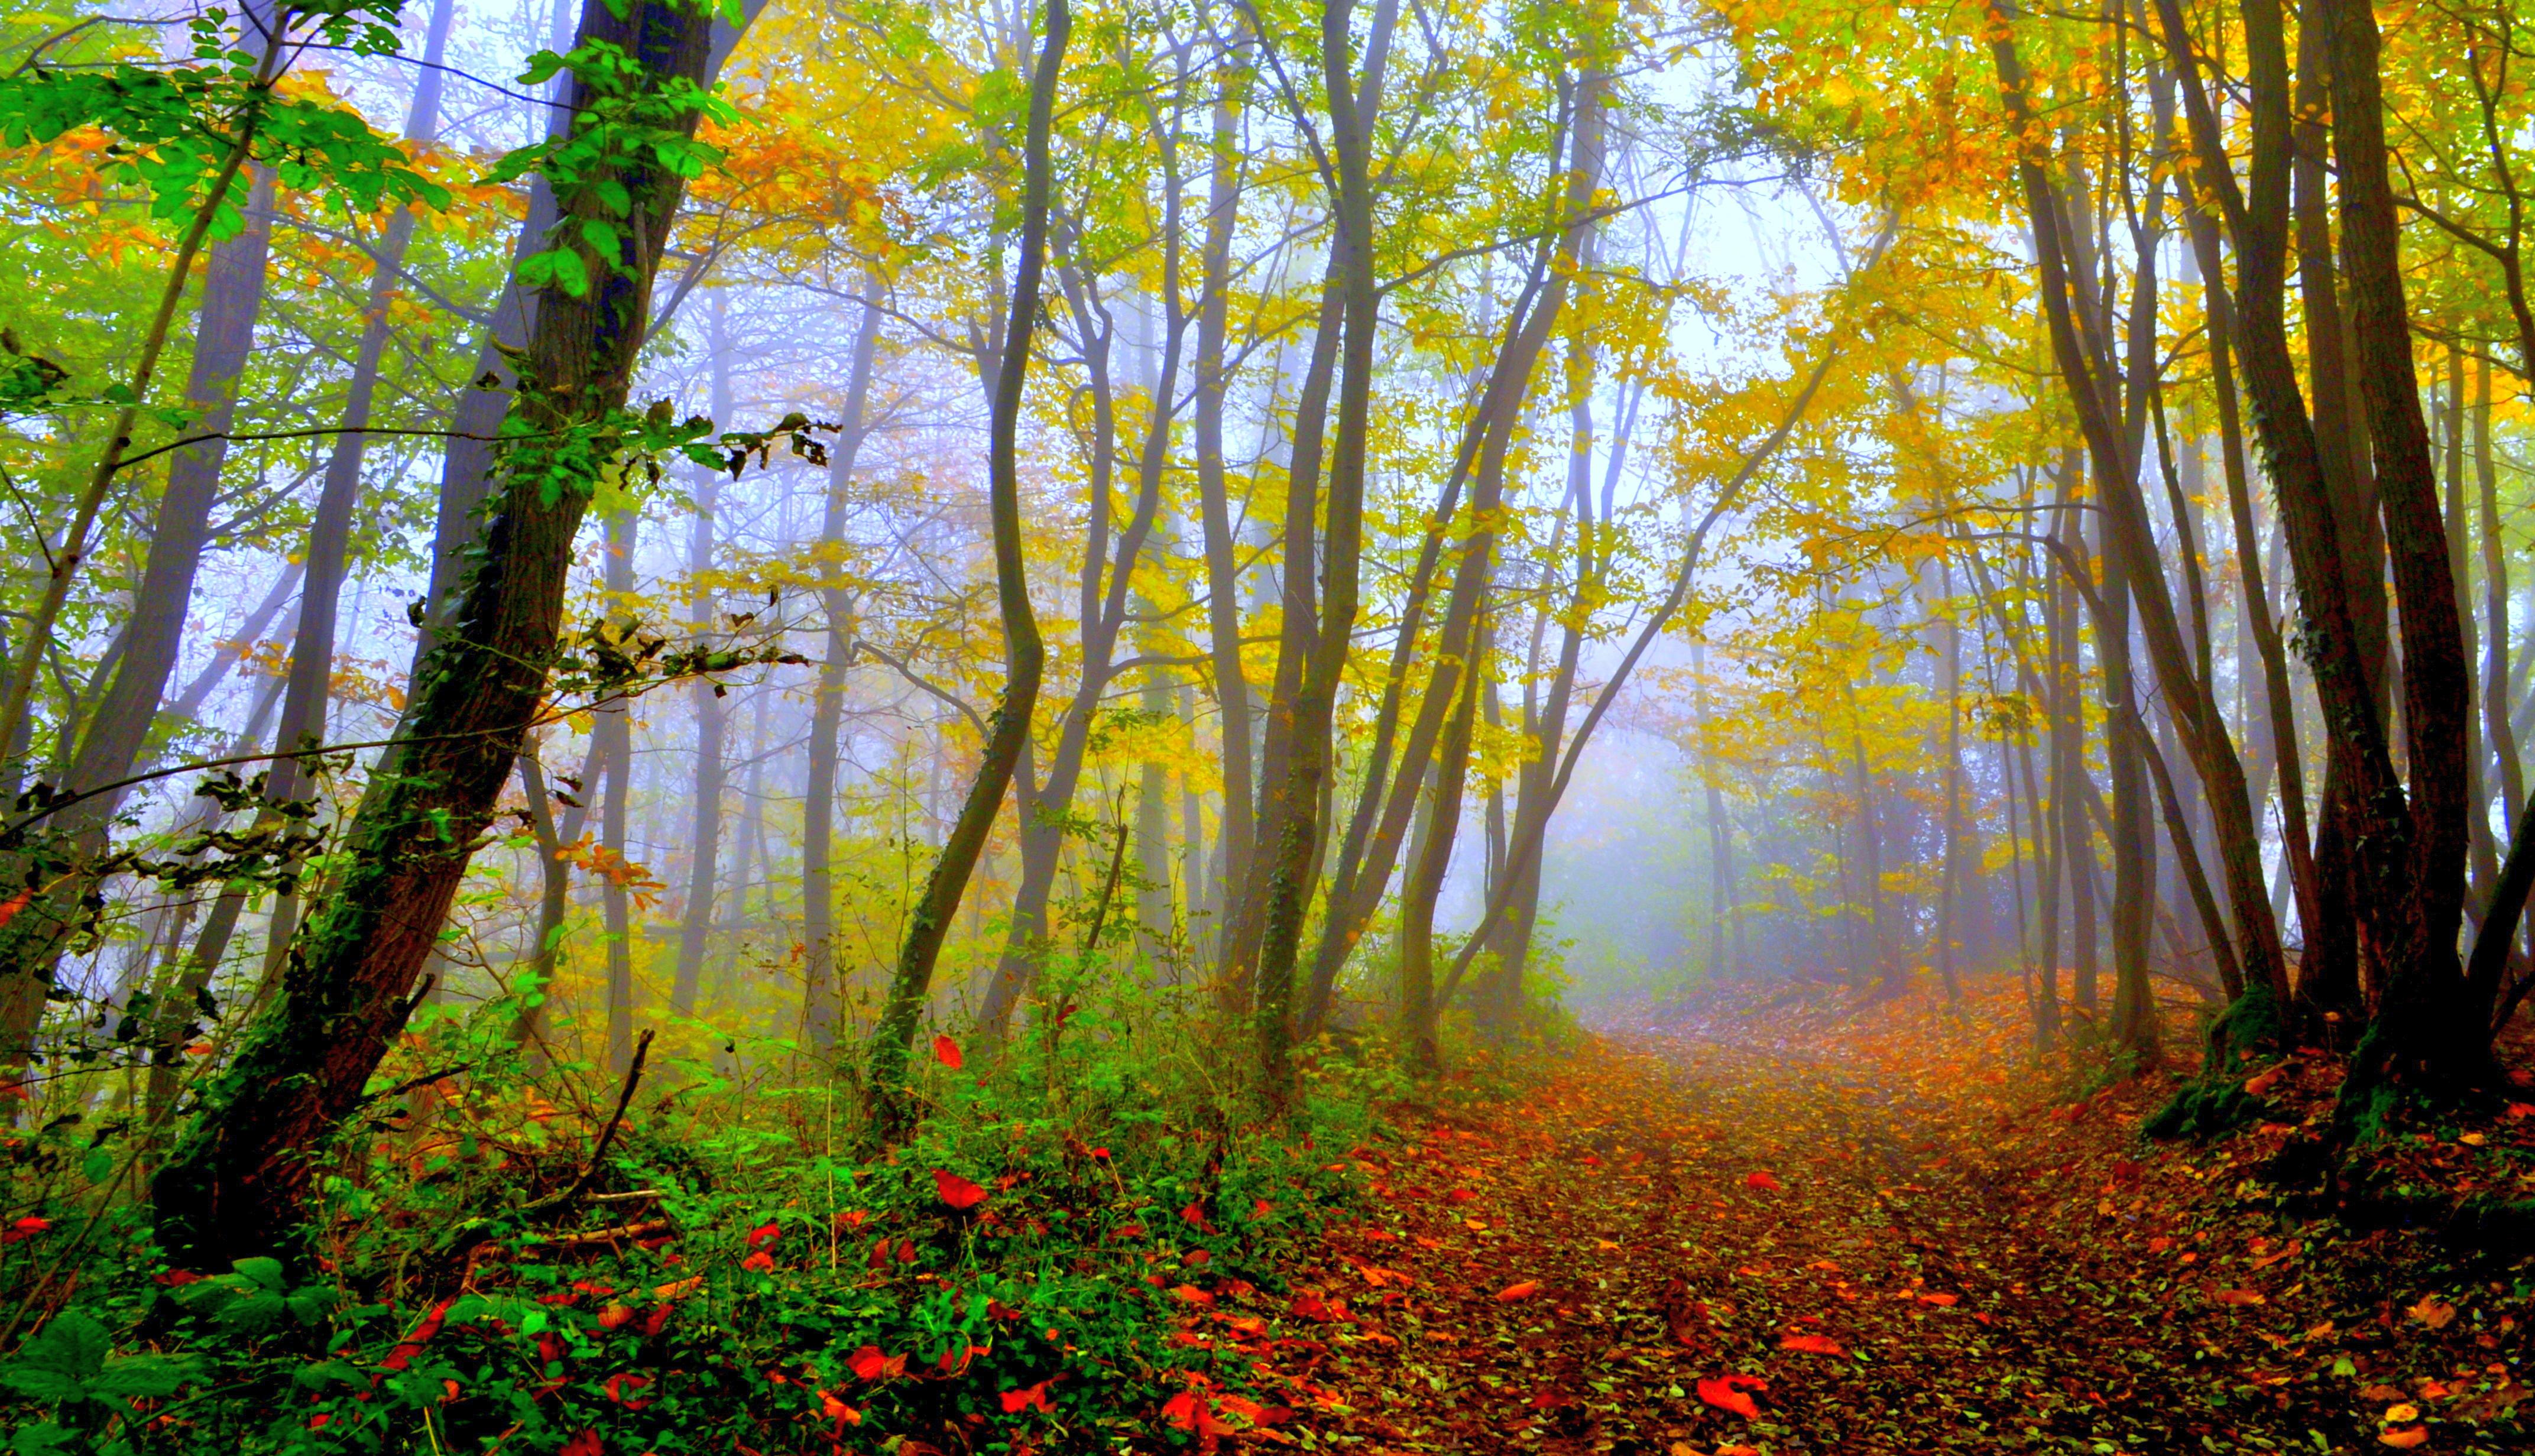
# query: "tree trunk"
{"type": "Point", "coordinates": [612, 739]}
{"type": "Point", "coordinates": [241, 1181]}
{"type": "Point", "coordinates": [695, 928]}
{"type": "Point", "coordinates": [823, 997]}
{"type": "Point", "coordinates": [1024, 655]}
{"type": "Point", "coordinates": [2423, 1025]}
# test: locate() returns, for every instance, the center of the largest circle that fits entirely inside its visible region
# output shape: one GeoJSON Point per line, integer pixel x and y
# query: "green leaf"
{"type": "Point", "coordinates": [140, 1377]}
{"type": "Point", "coordinates": [263, 1271]}
{"type": "Point", "coordinates": [603, 238]}
{"type": "Point", "coordinates": [97, 1165]}
{"type": "Point", "coordinates": [555, 268]}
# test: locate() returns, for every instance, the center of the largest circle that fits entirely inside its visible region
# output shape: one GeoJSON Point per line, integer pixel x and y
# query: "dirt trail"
{"type": "Point", "coordinates": [1894, 1256]}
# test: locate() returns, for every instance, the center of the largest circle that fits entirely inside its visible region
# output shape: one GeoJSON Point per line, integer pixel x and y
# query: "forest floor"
{"type": "Point", "coordinates": [1770, 1228]}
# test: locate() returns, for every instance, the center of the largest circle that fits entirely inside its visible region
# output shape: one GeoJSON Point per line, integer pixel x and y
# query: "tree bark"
{"type": "Point", "coordinates": [703, 866]}
{"type": "Point", "coordinates": [1024, 655]}
{"type": "Point", "coordinates": [823, 997]}
{"type": "Point", "coordinates": [241, 1180]}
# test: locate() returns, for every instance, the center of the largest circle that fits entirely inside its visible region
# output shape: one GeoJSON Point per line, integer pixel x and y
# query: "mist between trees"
{"type": "Point", "coordinates": [551, 541]}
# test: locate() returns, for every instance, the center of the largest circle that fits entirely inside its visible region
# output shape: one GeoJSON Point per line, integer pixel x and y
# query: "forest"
{"type": "Point", "coordinates": [1725, 728]}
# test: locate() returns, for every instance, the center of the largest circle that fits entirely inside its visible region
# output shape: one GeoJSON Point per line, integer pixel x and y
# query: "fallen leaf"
{"type": "Point", "coordinates": [1726, 1393]}
{"type": "Point", "coordinates": [1761, 1180]}
{"type": "Point", "coordinates": [2402, 1415]}
{"type": "Point", "coordinates": [1017, 1401]}
{"type": "Point", "coordinates": [1514, 1292]}
{"type": "Point", "coordinates": [2239, 1297]}
{"type": "Point", "coordinates": [2418, 1435]}
{"type": "Point", "coordinates": [1812, 1343]}
{"type": "Point", "coordinates": [955, 1191]}
{"type": "Point", "coordinates": [947, 1052]}
{"type": "Point", "coordinates": [1941, 1302]}
{"type": "Point", "coordinates": [2258, 1085]}
{"type": "Point", "coordinates": [2434, 1312]}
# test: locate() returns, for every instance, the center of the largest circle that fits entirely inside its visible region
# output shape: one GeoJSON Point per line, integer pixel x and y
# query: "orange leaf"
{"type": "Point", "coordinates": [947, 1052]}
{"type": "Point", "coordinates": [760, 1261]}
{"type": "Point", "coordinates": [1190, 1294]}
{"type": "Point", "coordinates": [762, 1235]}
{"type": "Point", "coordinates": [868, 1364]}
{"type": "Point", "coordinates": [2405, 1440]}
{"type": "Point", "coordinates": [955, 1191]}
{"type": "Point", "coordinates": [1514, 1292]}
{"type": "Point", "coordinates": [584, 1444]}
{"type": "Point", "coordinates": [1941, 1302]}
{"type": "Point", "coordinates": [15, 903]}
{"type": "Point", "coordinates": [1762, 1182]}
{"type": "Point", "coordinates": [1726, 1393]}
{"type": "Point", "coordinates": [2241, 1297]}
{"type": "Point", "coordinates": [836, 1410]}
{"type": "Point", "coordinates": [2433, 1313]}
{"type": "Point", "coordinates": [1812, 1343]}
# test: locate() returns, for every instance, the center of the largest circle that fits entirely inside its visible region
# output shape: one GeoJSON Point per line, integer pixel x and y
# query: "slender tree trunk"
{"type": "Point", "coordinates": [1281, 881]}
{"type": "Point", "coordinates": [1237, 736]}
{"type": "Point", "coordinates": [612, 739]}
{"type": "Point", "coordinates": [2495, 599]}
{"type": "Point", "coordinates": [823, 997]}
{"type": "Point", "coordinates": [240, 1182]}
{"type": "Point", "coordinates": [695, 928]}
{"type": "Point", "coordinates": [1024, 655]}
{"type": "Point", "coordinates": [1425, 881]}
{"type": "Point", "coordinates": [1949, 873]}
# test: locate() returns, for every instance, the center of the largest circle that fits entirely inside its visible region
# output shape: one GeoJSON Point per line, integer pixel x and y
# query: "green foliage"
{"type": "Point", "coordinates": [177, 130]}
{"type": "Point", "coordinates": [625, 112]}
{"type": "Point", "coordinates": [738, 1277]}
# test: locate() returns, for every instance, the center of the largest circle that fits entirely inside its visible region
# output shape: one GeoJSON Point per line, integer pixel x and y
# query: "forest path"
{"type": "Point", "coordinates": [1880, 1248]}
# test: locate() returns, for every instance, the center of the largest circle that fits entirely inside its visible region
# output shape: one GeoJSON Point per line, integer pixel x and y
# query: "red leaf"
{"type": "Point", "coordinates": [947, 1052]}
{"type": "Point", "coordinates": [1762, 1182]}
{"type": "Point", "coordinates": [838, 1410]}
{"type": "Point", "coordinates": [763, 1234]}
{"type": "Point", "coordinates": [1514, 1292]}
{"type": "Point", "coordinates": [28, 1228]}
{"type": "Point", "coordinates": [619, 1384]}
{"type": "Point", "coordinates": [1309, 1306]}
{"type": "Point", "coordinates": [1190, 1294]}
{"type": "Point", "coordinates": [1018, 1400]}
{"type": "Point", "coordinates": [412, 1345]}
{"type": "Point", "coordinates": [1941, 1302]}
{"type": "Point", "coordinates": [1195, 1214]}
{"type": "Point", "coordinates": [584, 1444]}
{"type": "Point", "coordinates": [868, 1364]}
{"type": "Point", "coordinates": [1726, 1393]}
{"type": "Point", "coordinates": [15, 903]}
{"type": "Point", "coordinates": [760, 1261]}
{"type": "Point", "coordinates": [1812, 1343]}
{"type": "Point", "coordinates": [955, 1191]}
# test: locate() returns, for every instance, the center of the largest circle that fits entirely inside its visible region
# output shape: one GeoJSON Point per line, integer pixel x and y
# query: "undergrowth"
{"type": "Point", "coordinates": [731, 1277]}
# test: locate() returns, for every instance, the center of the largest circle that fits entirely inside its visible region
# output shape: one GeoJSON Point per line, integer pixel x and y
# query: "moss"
{"type": "Point", "coordinates": [2215, 1103]}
